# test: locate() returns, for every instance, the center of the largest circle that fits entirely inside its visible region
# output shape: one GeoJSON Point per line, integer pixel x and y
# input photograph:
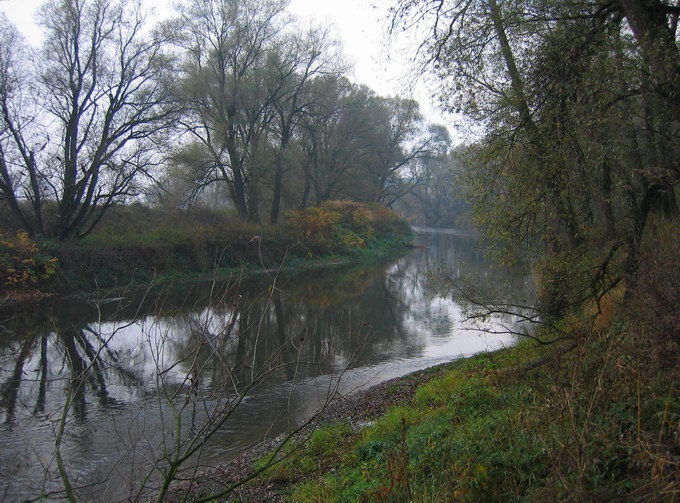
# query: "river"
{"type": "Point", "coordinates": [135, 372]}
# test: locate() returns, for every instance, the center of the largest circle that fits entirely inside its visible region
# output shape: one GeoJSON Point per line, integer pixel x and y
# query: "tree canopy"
{"type": "Point", "coordinates": [229, 100]}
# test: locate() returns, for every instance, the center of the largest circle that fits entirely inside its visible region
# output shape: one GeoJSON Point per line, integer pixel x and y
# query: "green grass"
{"type": "Point", "coordinates": [459, 427]}
{"type": "Point", "coordinates": [477, 435]}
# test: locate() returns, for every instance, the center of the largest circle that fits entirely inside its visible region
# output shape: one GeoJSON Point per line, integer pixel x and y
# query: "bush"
{"type": "Point", "coordinates": [23, 268]}
{"type": "Point", "coordinates": [344, 227]}
{"type": "Point", "coordinates": [657, 295]}
{"type": "Point", "coordinates": [386, 221]}
{"type": "Point", "coordinates": [325, 230]}
{"type": "Point", "coordinates": [316, 227]}
{"type": "Point", "coordinates": [353, 216]}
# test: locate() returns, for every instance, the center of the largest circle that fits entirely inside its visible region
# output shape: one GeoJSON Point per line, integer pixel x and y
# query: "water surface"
{"type": "Point", "coordinates": [135, 371]}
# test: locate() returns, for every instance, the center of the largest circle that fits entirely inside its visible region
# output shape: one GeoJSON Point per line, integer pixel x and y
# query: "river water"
{"type": "Point", "coordinates": [133, 378]}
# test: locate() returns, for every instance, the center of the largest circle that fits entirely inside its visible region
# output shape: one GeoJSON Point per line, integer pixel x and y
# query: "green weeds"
{"type": "Point", "coordinates": [480, 433]}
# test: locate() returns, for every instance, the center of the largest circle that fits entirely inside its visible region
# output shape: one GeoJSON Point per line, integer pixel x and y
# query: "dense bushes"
{"type": "Point", "coordinates": [656, 316]}
{"type": "Point", "coordinates": [343, 226]}
{"type": "Point", "coordinates": [136, 243]}
{"type": "Point", "coordinates": [23, 267]}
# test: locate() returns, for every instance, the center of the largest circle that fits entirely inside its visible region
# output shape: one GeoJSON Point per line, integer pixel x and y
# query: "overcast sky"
{"type": "Point", "coordinates": [379, 62]}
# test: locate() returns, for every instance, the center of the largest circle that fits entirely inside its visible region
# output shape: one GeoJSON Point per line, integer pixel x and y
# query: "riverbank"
{"type": "Point", "coordinates": [585, 420]}
{"type": "Point", "coordinates": [115, 257]}
{"type": "Point", "coordinates": [344, 414]}
{"type": "Point", "coordinates": [377, 317]}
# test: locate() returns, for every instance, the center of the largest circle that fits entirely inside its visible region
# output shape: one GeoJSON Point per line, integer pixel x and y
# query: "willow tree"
{"type": "Point", "coordinates": [335, 135]}
{"type": "Point", "coordinates": [578, 105]}
{"type": "Point", "coordinates": [79, 117]}
{"type": "Point", "coordinates": [301, 58]}
{"type": "Point", "coordinates": [400, 143]}
{"type": "Point", "coordinates": [229, 86]}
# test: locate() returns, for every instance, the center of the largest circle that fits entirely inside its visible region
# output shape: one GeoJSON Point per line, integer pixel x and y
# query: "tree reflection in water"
{"type": "Point", "coordinates": [126, 364]}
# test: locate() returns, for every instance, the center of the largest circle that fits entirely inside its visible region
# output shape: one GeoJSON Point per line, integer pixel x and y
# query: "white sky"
{"type": "Point", "coordinates": [361, 26]}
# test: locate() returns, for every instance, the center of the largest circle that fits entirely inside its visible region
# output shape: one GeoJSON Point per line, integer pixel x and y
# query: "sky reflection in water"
{"type": "Point", "coordinates": [123, 359]}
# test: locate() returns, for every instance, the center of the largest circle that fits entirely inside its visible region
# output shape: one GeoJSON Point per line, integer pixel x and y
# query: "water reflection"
{"type": "Point", "coordinates": [125, 364]}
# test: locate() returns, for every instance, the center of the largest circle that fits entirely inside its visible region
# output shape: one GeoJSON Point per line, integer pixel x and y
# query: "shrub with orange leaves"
{"type": "Point", "coordinates": [23, 267]}
{"type": "Point", "coordinates": [344, 226]}
{"type": "Point", "coordinates": [353, 216]}
{"type": "Point", "coordinates": [322, 231]}
{"type": "Point", "coordinates": [313, 222]}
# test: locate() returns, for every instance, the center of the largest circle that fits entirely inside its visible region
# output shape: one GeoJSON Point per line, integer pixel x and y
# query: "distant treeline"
{"type": "Point", "coordinates": [440, 198]}
{"type": "Point", "coordinates": [228, 104]}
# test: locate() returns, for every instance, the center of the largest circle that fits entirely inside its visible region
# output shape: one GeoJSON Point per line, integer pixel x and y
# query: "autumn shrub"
{"type": "Point", "coordinates": [568, 279]}
{"type": "Point", "coordinates": [353, 216]}
{"type": "Point", "coordinates": [344, 227]}
{"type": "Point", "coordinates": [23, 267]}
{"type": "Point", "coordinates": [313, 222]}
{"type": "Point", "coordinates": [323, 231]}
{"type": "Point", "coordinates": [385, 221]}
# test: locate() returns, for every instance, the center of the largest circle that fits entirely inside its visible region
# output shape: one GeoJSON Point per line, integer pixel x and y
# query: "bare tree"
{"type": "Point", "coordinates": [404, 141]}
{"type": "Point", "coordinates": [228, 88]}
{"type": "Point", "coordinates": [77, 130]}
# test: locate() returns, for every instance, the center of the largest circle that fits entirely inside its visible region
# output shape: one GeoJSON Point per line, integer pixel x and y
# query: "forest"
{"type": "Point", "coordinates": [225, 105]}
{"type": "Point", "coordinates": [229, 137]}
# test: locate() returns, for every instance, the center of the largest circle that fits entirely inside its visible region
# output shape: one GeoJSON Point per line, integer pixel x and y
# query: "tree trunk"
{"type": "Point", "coordinates": [253, 202]}
{"type": "Point", "coordinates": [604, 200]}
{"type": "Point", "coordinates": [240, 194]}
{"type": "Point", "coordinates": [305, 192]}
{"type": "Point", "coordinates": [9, 195]}
{"type": "Point", "coordinates": [649, 24]}
{"type": "Point", "coordinates": [276, 195]}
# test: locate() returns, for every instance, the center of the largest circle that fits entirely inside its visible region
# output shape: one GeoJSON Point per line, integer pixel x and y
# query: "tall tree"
{"type": "Point", "coordinates": [402, 141]}
{"type": "Point", "coordinates": [229, 88]}
{"type": "Point", "coordinates": [337, 131]}
{"type": "Point", "coordinates": [303, 58]}
{"type": "Point", "coordinates": [78, 118]}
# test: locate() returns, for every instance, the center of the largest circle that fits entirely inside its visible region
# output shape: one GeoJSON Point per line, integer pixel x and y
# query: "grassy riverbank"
{"type": "Point", "coordinates": [593, 425]}
{"type": "Point", "coordinates": [136, 246]}
{"type": "Point", "coordinates": [593, 416]}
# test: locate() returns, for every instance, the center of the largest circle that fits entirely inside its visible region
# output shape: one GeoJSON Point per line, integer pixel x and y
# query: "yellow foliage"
{"type": "Point", "coordinates": [22, 266]}
{"type": "Point", "coordinates": [608, 307]}
{"type": "Point", "coordinates": [336, 225]}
